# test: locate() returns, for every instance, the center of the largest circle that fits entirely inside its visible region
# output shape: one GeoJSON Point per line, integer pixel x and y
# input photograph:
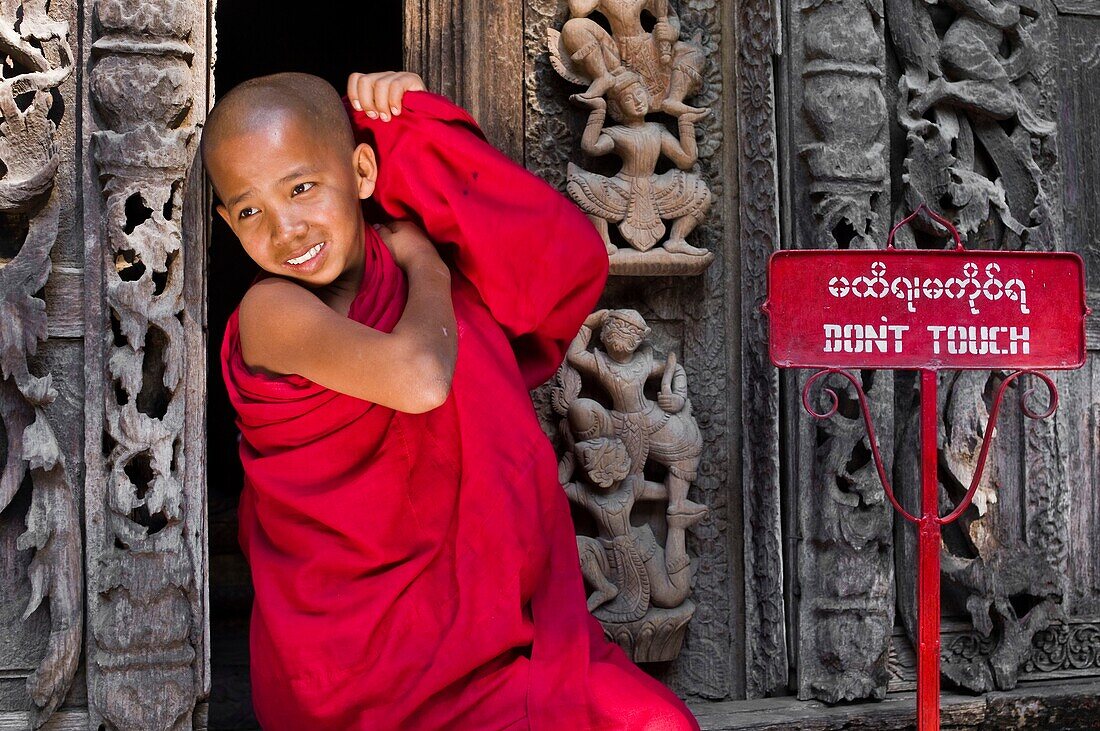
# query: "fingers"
{"type": "Point", "coordinates": [379, 95]}
{"type": "Point", "coordinates": [402, 83]}
{"type": "Point", "coordinates": [361, 93]}
{"type": "Point", "coordinates": [382, 96]}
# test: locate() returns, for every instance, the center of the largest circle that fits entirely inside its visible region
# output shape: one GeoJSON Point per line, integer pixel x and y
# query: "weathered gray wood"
{"type": "Point", "coordinates": [472, 52]}
{"type": "Point", "coordinates": [1063, 706]}
{"type": "Point", "coordinates": [753, 120]}
{"type": "Point", "coordinates": [839, 196]}
{"type": "Point", "coordinates": [65, 302]}
{"type": "Point", "coordinates": [71, 721]}
{"type": "Point", "coordinates": [195, 196]}
{"type": "Point", "coordinates": [146, 92]}
{"type": "Point", "coordinates": [1088, 8]}
{"type": "Point", "coordinates": [41, 615]}
{"type": "Point", "coordinates": [60, 721]}
{"type": "Point", "coordinates": [1073, 524]}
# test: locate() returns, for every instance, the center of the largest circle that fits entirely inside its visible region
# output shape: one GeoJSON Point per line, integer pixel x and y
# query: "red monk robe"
{"type": "Point", "coordinates": [420, 571]}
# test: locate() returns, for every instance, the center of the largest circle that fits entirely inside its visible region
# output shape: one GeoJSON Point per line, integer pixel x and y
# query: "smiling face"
{"type": "Point", "coordinates": [292, 198]}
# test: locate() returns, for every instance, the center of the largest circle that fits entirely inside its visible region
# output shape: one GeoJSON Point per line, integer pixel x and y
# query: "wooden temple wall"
{"type": "Point", "coordinates": [827, 121]}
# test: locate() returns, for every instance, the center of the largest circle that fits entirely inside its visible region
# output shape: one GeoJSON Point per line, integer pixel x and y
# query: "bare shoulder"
{"type": "Point", "coordinates": [274, 315]}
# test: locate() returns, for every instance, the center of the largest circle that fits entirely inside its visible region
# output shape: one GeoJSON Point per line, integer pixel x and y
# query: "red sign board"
{"type": "Point", "coordinates": [926, 309]}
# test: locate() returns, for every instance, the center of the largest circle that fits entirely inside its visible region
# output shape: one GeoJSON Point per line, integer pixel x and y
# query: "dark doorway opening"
{"type": "Point", "coordinates": [257, 37]}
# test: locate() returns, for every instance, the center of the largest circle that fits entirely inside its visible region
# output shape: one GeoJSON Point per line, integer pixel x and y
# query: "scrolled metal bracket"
{"type": "Point", "coordinates": [987, 436]}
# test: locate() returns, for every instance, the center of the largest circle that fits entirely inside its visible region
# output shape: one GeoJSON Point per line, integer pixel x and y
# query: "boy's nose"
{"type": "Point", "coordinates": [287, 229]}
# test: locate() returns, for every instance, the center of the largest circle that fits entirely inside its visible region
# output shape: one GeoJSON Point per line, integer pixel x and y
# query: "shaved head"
{"type": "Point", "coordinates": [277, 99]}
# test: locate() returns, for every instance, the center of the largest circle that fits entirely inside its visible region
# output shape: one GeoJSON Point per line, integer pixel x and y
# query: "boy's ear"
{"type": "Point", "coordinates": [223, 212]}
{"type": "Point", "coordinates": [366, 169]}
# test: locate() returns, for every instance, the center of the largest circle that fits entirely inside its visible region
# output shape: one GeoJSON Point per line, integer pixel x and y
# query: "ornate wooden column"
{"type": "Point", "coordinates": [838, 178]}
{"type": "Point", "coordinates": [146, 93]}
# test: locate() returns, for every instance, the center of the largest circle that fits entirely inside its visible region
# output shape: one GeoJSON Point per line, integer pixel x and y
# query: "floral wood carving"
{"type": "Point", "coordinates": [37, 59]}
{"type": "Point", "coordinates": [145, 611]}
{"type": "Point", "coordinates": [759, 41]}
{"type": "Point", "coordinates": [1006, 586]}
{"type": "Point", "coordinates": [980, 144]}
{"type": "Point", "coordinates": [631, 73]}
{"type": "Point", "coordinates": [640, 585]}
{"type": "Point", "coordinates": [969, 103]}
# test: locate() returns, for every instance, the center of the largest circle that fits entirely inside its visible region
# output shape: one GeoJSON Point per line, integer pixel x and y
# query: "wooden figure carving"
{"type": "Point", "coordinates": [37, 59]}
{"type": "Point", "coordinates": [969, 101]}
{"type": "Point", "coordinates": [640, 587]}
{"type": "Point", "coordinates": [636, 198]}
{"type": "Point", "coordinates": [630, 73]}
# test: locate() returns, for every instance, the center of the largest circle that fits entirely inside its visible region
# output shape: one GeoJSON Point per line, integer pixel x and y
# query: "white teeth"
{"type": "Point", "coordinates": [306, 256]}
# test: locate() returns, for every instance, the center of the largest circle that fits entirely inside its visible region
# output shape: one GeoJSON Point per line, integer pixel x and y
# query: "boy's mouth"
{"type": "Point", "coordinates": [307, 256]}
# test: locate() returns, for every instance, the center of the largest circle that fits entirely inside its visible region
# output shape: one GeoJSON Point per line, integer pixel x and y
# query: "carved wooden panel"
{"type": "Point", "coordinates": [616, 438]}
{"type": "Point", "coordinates": [1071, 521]}
{"type": "Point", "coordinates": [977, 99]}
{"type": "Point", "coordinates": [689, 317]}
{"type": "Point", "coordinates": [41, 585]}
{"type": "Point", "coordinates": [838, 127]}
{"type": "Point", "coordinates": [472, 52]}
{"type": "Point", "coordinates": [146, 92]}
{"type": "Point", "coordinates": [758, 39]}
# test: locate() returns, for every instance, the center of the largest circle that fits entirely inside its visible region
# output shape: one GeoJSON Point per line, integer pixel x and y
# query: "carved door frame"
{"type": "Point", "coordinates": [133, 297]}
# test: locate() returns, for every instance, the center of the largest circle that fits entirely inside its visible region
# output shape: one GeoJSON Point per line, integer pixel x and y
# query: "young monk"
{"type": "Point", "coordinates": [412, 553]}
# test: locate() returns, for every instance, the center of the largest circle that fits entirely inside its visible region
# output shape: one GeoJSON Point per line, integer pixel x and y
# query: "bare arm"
{"type": "Point", "coordinates": [285, 328]}
{"type": "Point", "coordinates": [577, 355]}
{"type": "Point", "coordinates": [667, 29]}
{"type": "Point", "coordinates": [595, 141]}
{"type": "Point", "coordinates": [684, 151]}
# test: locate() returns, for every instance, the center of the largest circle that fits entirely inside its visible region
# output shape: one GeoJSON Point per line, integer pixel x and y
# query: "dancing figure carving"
{"type": "Point", "coordinates": [630, 73]}
{"type": "Point", "coordinates": [636, 198]}
{"type": "Point", "coordinates": [640, 588]}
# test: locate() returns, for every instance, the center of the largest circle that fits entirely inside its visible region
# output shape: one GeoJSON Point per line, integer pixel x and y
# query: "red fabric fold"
{"type": "Point", "coordinates": [420, 571]}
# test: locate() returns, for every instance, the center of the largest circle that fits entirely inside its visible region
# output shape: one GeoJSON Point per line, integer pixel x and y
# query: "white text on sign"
{"type": "Point", "coordinates": [950, 339]}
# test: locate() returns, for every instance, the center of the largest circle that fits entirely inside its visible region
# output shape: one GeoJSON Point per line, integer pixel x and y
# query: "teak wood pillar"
{"type": "Point", "coordinates": [145, 91]}
{"type": "Point", "coordinates": [472, 52]}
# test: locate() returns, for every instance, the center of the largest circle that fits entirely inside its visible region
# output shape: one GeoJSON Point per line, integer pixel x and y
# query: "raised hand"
{"type": "Point", "coordinates": [379, 94]}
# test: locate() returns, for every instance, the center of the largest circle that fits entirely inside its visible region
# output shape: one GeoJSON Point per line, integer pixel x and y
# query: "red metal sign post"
{"type": "Point", "coordinates": [926, 311]}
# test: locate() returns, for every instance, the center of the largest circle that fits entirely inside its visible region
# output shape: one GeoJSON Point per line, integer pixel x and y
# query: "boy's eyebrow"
{"type": "Point", "coordinates": [296, 172]}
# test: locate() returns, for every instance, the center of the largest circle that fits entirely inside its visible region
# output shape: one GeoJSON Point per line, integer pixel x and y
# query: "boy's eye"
{"type": "Point", "coordinates": [302, 187]}
{"type": "Point", "coordinates": [247, 212]}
